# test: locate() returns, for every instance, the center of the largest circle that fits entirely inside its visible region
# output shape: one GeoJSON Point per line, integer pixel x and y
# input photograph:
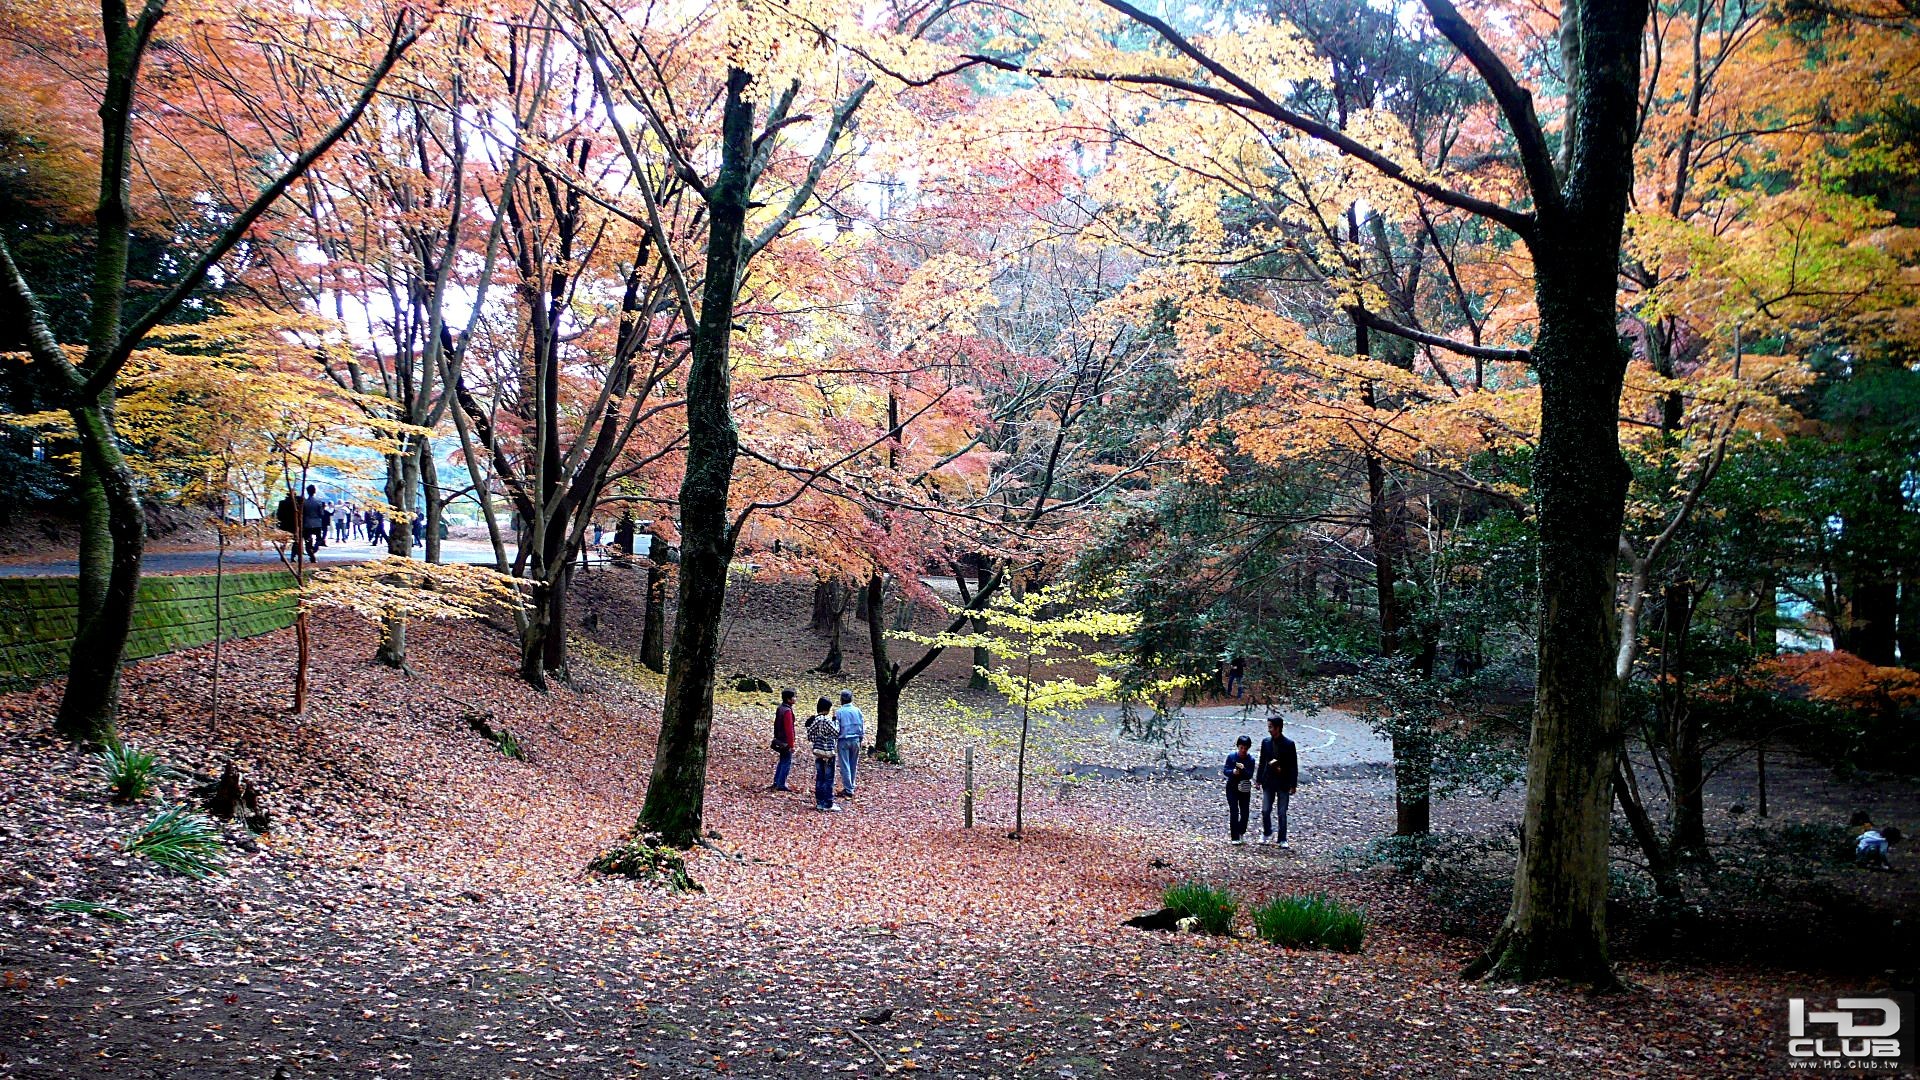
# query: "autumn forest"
{"type": "Point", "coordinates": [1298, 538]}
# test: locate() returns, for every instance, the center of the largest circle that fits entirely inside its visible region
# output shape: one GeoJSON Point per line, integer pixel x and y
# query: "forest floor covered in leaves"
{"type": "Point", "coordinates": [420, 905]}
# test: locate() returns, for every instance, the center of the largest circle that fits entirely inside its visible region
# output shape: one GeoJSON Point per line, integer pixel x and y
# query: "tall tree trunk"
{"type": "Point", "coordinates": [113, 524]}
{"type": "Point", "coordinates": [676, 794]}
{"type": "Point", "coordinates": [653, 638]}
{"type": "Point", "coordinates": [1412, 750]}
{"type": "Point", "coordinates": [1557, 924]}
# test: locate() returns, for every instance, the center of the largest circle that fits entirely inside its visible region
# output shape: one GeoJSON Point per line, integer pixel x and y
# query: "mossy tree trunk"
{"type": "Point", "coordinates": [676, 794]}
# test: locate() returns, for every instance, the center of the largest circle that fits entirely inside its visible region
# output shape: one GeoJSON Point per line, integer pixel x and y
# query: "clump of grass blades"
{"type": "Point", "coordinates": [1212, 908]}
{"type": "Point", "coordinates": [181, 840]}
{"type": "Point", "coordinates": [86, 907]}
{"type": "Point", "coordinates": [1313, 920]}
{"type": "Point", "coordinates": [131, 772]}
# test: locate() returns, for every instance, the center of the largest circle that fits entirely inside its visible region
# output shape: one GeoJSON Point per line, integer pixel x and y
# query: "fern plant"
{"type": "Point", "coordinates": [181, 840]}
{"type": "Point", "coordinates": [131, 772]}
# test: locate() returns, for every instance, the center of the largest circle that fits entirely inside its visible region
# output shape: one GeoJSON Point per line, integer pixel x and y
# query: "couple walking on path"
{"type": "Point", "coordinates": [836, 735]}
{"type": "Point", "coordinates": [1276, 774]}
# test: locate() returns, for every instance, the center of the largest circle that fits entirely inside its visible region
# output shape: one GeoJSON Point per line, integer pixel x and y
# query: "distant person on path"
{"type": "Point", "coordinates": [824, 733]}
{"type": "Point", "coordinates": [853, 731]}
{"type": "Point", "coordinates": [1239, 773]}
{"type": "Point", "coordinates": [1237, 677]}
{"type": "Point", "coordinates": [376, 527]}
{"type": "Point", "coordinates": [419, 527]}
{"type": "Point", "coordinates": [313, 522]}
{"type": "Point", "coordinates": [342, 521]}
{"type": "Point", "coordinates": [783, 740]}
{"type": "Point", "coordinates": [1279, 776]}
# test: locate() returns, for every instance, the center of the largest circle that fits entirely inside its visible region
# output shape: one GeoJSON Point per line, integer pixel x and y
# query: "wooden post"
{"type": "Point", "coordinates": [968, 802]}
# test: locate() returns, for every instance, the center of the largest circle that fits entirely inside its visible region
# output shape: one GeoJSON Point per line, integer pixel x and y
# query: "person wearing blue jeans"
{"type": "Point", "coordinates": [1278, 778]}
{"type": "Point", "coordinates": [824, 735]}
{"type": "Point", "coordinates": [783, 741]}
{"type": "Point", "coordinates": [853, 731]}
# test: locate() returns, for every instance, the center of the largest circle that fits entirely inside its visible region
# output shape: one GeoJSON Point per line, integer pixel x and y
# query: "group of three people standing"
{"type": "Point", "coordinates": [836, 735]}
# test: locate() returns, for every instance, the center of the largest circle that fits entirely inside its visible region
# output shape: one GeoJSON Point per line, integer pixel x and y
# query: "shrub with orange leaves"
{"type": "Point", "coordinates": [1845, 680]}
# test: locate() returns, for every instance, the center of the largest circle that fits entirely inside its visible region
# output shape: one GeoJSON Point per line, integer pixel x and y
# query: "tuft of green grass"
{"type": "Point", "coordinates": [1312, 920]}
{"type": "Point", "coordinates": [508, 745]}
{"type": "Point", "coordinates": [181, 840]}
{"type": "Point", "coordinates": [1212, 908]}
{"type": "Point", "coordinates": [85, 907]}
{"type": "Point", "coordinates": [131, 772]}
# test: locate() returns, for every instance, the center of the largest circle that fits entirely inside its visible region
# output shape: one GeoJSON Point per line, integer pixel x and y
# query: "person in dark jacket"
{"type": "Point", "coordinates": [1239, 773]}
{"type": "Point", "coordinates": [1279, 776]}
{"type": "Point", "coordinates": [783, 740]}
{"type": "Point", "coordinates": [313, 522]}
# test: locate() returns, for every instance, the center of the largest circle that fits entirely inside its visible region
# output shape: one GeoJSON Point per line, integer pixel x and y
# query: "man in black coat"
{"type": "Point", "coordinates": [1278, 776]}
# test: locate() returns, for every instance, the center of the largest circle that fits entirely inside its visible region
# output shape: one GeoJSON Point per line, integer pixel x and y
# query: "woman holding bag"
{"type": "Point", "coordinates": [1239, 773]}
{"type": "Point", "coordinates": [823, 731]}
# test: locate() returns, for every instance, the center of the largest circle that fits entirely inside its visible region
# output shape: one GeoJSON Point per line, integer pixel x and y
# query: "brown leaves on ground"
{"type": "Point", "coordinates": [422, 907]}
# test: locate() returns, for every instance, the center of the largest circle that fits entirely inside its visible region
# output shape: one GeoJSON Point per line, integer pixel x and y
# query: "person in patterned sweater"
{"type": "Point", "coordinates": [823, 731]}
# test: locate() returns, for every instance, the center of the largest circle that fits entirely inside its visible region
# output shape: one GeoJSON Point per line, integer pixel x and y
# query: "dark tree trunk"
{"type": "Point", "coordinates": [676, 794]}
{"type": "Point", "coordinates": [653, 637]}
{"type": "Point", "coordinates": [1659, 865]}
{"type": "Point", "coordinates": [836, 624]}
{"type": "Point", "coordinates": [112, 507]}
{"type": "Point", "coordinates": [1685, 753]}
{"type": "Point", "coordinates": [554, 653]}
{"type": "Point", "coordinates": [822, 606]}
{"type": "Point", "coordinates": [1556, 927]}
{"type": "Point", "coordinates": [1867, 627]}
{"type": "Point", "coordinates": [886, 672]}
{"type": "Point", "coordinates": [982, 656]}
